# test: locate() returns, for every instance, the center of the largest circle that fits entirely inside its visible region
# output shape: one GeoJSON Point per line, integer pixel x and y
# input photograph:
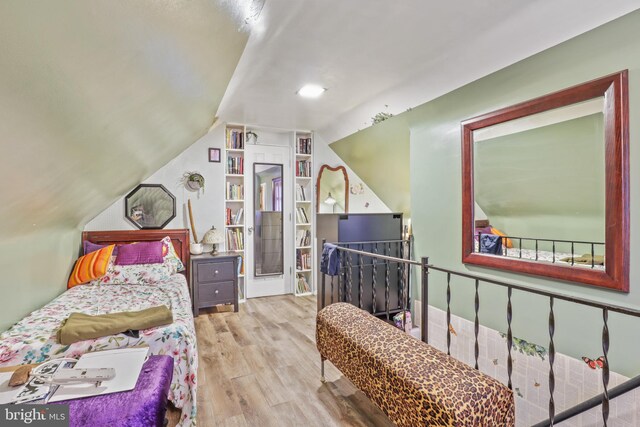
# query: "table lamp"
{"type": "Point", "coordinates": [212, 237]}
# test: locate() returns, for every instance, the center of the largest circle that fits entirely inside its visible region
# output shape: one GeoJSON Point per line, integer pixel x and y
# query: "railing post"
{"type": "Point", "coordinates": [509, 338]}
{"type": "Point", "coordinates": [552, 357]}
{"type": "Point", "coordinates": [425, 300]}
{"type": "Point", "coordinates": [360, 277]}
{"type": "Point", "coordinates": [476, 326]}
{"type": "Point", "coordinates": [374, 280]}
{"type": "Point", "coordinates": [449, 314]}
{"type": "Point", "coordinates": [386, 281]}
{"type": "Point", "coordinates": [605, 367]}
{"type": "Point", "coordinates": [323, 298]}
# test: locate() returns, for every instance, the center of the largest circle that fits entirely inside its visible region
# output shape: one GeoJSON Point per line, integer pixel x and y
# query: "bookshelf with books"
{"type": "Point", "coordinates": [304, 214]}
{"type": "Point", "coordinates": [234, 198]}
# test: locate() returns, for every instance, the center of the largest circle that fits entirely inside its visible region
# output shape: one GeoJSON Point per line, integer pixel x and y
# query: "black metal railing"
{"type": "Point", "coordinates": [426, 269]}
{"type": "Point", "coordinates": [363, 277]}
{"type": "Point", "coordinates": [569, 245]}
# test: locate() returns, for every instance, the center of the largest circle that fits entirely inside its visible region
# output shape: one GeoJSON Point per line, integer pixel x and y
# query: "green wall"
{"type": "Point", "coordinates": [546, 182]}
{"type": "Point", "coordinates": [436, 203]}
{"type": "Point", "coordinates": [35, 269]}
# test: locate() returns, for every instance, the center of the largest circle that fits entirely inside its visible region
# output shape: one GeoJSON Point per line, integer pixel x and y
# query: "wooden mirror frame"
{"type": "Point", "coordinates": [346, 183]}
{"type": "Point", "coordinates": [614, 88]}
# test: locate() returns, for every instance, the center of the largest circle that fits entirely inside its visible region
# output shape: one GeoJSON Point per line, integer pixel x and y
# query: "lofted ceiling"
{"type": "Point", "coordinates": [97, 95]}
{"type": "Point", "coordinates": [381, 55]}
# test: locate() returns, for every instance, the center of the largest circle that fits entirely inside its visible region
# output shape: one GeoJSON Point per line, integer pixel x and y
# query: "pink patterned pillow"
{"type": "Point", "coordinates": [140, 253]}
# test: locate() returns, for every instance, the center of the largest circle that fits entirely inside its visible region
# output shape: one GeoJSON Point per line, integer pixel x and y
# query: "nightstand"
{"type": "Point", "coordinates": [215, 280]}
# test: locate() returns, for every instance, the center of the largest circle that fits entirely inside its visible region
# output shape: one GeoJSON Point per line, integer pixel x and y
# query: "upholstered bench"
{"type": "Point", "coordinates": [144, 406]}
{"type": "Point", "coordinates": [412, 382]}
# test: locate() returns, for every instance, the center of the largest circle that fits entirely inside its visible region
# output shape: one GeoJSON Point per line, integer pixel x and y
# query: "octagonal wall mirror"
{"type": "Point", "coordinates": [332, 190]}
{"type": "Point", "coordinates": [545, 186]}
{"type": "Point", "coordinates": [150, 206]}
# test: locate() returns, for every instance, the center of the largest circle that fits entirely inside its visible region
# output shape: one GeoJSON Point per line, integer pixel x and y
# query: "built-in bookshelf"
{"type": "Point", "coordinates": [303, 213]}
{"type": "Point", "coordinates": [302, 197]}
{"type": "Point", "coordinates": [234, 198]}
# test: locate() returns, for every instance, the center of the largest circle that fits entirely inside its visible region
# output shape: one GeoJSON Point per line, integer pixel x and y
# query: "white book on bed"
{"type": "Point", "coordinates": [127, 363]}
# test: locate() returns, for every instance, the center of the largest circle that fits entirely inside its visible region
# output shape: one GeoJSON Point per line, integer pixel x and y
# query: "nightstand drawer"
{"type": "Point", "coordinates": [215, 272]}
{"type": "Point", "coordinates": [212, 293]}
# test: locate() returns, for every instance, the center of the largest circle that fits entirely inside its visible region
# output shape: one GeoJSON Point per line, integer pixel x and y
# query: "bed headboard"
{"type": "Point", "coordinates": [179, 238]}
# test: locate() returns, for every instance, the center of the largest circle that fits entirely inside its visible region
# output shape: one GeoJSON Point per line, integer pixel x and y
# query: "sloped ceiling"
{"type": "Point", "coordinates": [381, 55]}
{"type": "Point", "coordinates": [97, 95]}
{"type": "Point", "coordinates": [380, 156]}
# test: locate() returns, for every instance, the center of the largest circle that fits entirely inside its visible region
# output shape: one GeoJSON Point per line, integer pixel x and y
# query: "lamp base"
{"type": "Point", "coordinates": [215, 249]}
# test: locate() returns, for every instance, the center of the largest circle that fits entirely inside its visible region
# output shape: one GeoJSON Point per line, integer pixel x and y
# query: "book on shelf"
{"type": "Point", "coordinates": [303, 168]}
{"type": "Point", "coordinates": [304, 146]}
{"type": "Point", "coordinates": [303, 238]}
{"type": "Point", "coordinates": [301, 216]}
{"type": "Point", "coordinates": [235, 139]}
{"type": "Point", "coordinates": [235, 191]}
{"type": "Point", "coordinates": [234, 218]}
{"type": "Point", "coordinates": [302, 286]}
{"type": "Point", "coordinates": [235, 239]}
{"type": "Point", "coordinates": [301, 195]}
{"type": "Point", "coordinates": [303, 260]}
{"type": "Point", "coordinates": [235, 165]}
{"type": "Point", "coordinates": [240, 266]}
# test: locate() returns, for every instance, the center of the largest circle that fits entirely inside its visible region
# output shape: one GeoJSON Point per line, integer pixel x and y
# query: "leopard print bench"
{"type": "Point", "coordinates": [412, 382]}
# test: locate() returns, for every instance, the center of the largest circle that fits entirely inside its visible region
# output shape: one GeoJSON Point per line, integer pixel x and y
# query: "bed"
{"type": "Point", "coordinates": [561, 256]}
{"type": "Point", "coordinates": [33, 339]}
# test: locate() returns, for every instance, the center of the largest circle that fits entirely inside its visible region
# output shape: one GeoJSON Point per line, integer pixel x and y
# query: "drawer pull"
{"type": "Point", "coordinates": [216, 272]}
{"type": "Point", "coordinates": [216, 292]}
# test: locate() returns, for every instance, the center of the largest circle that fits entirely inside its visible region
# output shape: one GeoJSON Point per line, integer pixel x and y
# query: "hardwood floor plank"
{"type": "Point", "coordinates": [255, 408]}
{"type": "Point", "coordinates": [260, 367]}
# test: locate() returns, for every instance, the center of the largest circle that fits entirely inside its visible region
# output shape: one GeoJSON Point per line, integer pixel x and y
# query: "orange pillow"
{"type": "Point", "coordinates": [91, 266]}
{"type": "Point", "coordinates": [501, 234]}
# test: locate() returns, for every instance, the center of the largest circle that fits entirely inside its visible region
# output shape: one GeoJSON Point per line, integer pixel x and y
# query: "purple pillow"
{"type": "Point", "coordinates": [140, 253]}
{"type": "Point", "coordinates": [89, 247]}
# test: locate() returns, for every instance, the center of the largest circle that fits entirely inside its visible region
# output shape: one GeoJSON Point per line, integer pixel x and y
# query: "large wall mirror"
{"type": "Point", "coordinates": [332, 190]}
{"type": "Point", "coordinates": [268, 202]}
{"type": "Point", "coordinates": [545, 186]}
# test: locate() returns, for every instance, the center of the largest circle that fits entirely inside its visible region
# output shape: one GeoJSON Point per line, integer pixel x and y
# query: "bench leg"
{"type": "Point", "coordinates": [322, 378]}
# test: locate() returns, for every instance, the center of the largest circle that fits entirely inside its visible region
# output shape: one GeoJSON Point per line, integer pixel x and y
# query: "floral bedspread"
{"type": "Point", "coordinates": [33, 339]}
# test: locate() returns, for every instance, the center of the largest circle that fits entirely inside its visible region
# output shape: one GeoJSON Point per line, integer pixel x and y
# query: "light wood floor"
{"type": "Point", "coordinates": [260, 367]}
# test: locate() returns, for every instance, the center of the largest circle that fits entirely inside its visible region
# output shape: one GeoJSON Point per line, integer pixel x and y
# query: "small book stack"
{"type": "Point", "coordinates": [301, 216]}
{"type": "Point", "coordinates": [304, 146]}
{"type": "Point", "coordinates": [234, 218]}
{"type": "Point", "coordinates": [235, 239]}
{"type": "Point", "coordinates": [303, 238]}
{"type": "Point", "coordinates": [235, 165]}
{"type": "Point", "coordinates": [302, 286]}
{"type": "Point", "coordinates": [303, 260]}
{"type": "Point", "coordinates": [235, 191]}
{"type": "Point", "coordinates": [303, 168]}
{"type": "Point", "coordinates": [301, 195]}
{"type": "Point", "coordinates": [235, 139]}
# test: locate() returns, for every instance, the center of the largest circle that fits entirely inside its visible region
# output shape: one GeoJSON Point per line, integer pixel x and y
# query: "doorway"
{"type": "Point", "coordinates": [269, 208]}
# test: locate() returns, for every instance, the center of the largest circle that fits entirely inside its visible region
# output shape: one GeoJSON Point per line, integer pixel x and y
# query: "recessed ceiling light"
{"type": "Point", "coordinates": [311, 91]}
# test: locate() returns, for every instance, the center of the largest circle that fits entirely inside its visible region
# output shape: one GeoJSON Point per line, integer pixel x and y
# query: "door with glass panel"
{"type": "Point", "coordinates": [268, 205]}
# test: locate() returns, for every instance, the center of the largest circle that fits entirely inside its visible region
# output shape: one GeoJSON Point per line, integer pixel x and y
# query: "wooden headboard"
{"type": "Point", "coordinates": [179, 238]}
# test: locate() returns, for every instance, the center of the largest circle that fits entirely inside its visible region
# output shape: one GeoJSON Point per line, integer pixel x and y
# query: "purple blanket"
{"type": "Point", "coordinates": [144, 406]}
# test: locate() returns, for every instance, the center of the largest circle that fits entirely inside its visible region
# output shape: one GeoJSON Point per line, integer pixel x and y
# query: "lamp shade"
{"type": "Point", "coordinates": [330, 200]}
{"type": "Point", "coordinates": [212, 237]}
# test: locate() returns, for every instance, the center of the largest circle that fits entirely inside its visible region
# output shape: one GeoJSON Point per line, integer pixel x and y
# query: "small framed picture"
{"type": "Point", "coordinates": [214, 155]}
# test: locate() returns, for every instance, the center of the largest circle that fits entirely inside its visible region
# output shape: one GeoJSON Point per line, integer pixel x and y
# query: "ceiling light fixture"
{"type": "Point", "coordinates": [311, 91]}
